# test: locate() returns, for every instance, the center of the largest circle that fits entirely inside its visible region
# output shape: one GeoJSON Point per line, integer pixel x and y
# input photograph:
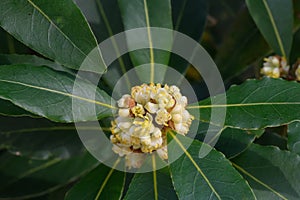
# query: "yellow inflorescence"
{"type": "Point", "coordinates": [143, 118]}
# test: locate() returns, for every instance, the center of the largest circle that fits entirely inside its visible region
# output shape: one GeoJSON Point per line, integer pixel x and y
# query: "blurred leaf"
{"type": "Point", "coordinates": [39, 138]}
{"type": "Point", "coordinates": [231, 142]}
{"type": "Point", "coordinates": [274, 18]}
{"type": "Point", "coordinates": [272, 173]}
{"type": "Point", "coordinates": [243, 44]}
{"type": "Point", "coordinates": [8, 44]}
{"type": "Point", "coordinates": [270, 138]}
{"type": "Point", "coordinates": [142, 14]}
{"type": "Point", "coordinates": [211, 177]}
{"type": "Point", "coordinates": [51, 94]}
{"type": "Point", "coordinates": [55, 29]}
{"type": "Point", "coordinates": [294, 137]}
{"type": "Point", "coordinates": [24, 178]}
{"type": "Point", "coordinates": [256, 104]}
{"type": "Point", "coordinates": [296, 5]}
{"type": "Point", "coordinates": [101, 183]}
{"type": "Point", "coordinates": [144, 186]}
{"type": "Point", "coordinates": [295, 53]}
{"type": "Point", "coordinates": [189, 18]}
{"type": "Point", "coordinates": [104, 26]}
{"type": "Point", "coordinates": [9, 109]}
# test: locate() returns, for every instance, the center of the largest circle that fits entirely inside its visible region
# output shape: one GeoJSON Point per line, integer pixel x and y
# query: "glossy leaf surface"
{"type": "Point", "coordinates": [33, 177]}
{"type": "Point", "coordinates": [48, 93]}
{"type": "Point", "coordinates": [294, 137]}
{"type": "Point", "coordinates": [272, 173]}
{"type": "Point", "coordinates": [256, 104]}
{"type": "Point", "coordinates": [101, 183]}
{"type": "Point", "coordinates": [274, 19]}
{"type": "Point", "coordinates": [151, 185]}
{"type": "Point", "coordinates": [55, 29]}
{"type": "Point", "coordinates": [205, 178]}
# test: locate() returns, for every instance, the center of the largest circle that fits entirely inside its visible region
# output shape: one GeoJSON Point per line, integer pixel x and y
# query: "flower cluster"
{"type": "Point", "coordinates": [275, 67]}
{"type": "Point", "coordinates": [143, 120]}
{"type": "Point", "coordinates": [297, 71]}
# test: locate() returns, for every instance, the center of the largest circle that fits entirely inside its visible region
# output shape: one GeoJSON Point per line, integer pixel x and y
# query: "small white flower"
{"type": "Point", "coordinates": [175, 92]}
{"type": "Point", "coordinates": [177, 118]}
{"type": "Point", "coordinates": [156, 133]}
{"type": "Point", "coordinates": [163, 152]}
{"type": "Point", "coordinates": [121, 150]}
{"type": "Point", "coordinates": [276, 73]}
{"type": "Point", "coordinates": [156, 142]}
{"type": "Point", "coordinates": [145, 140]}
{"type": "Point", "coordinates": [124, 138]}
{"type": "Point", "coordinates": [124, 112]}
{"type": "Point", "coordinates": [138, 110]}
{"type": "Point", "coordinates": [151, 107]}
{"type": "Point", "coordinates": [162, 117]}
{"type": "Point", "coordinates": [266, 70]}
{"type": "Point", "coordinates": [181, 128]}
{"type": "Point", "coordinates": [124, 123]}
{"type": "Point", "coordinates": [134, 160]}
{"type": "Point", "coordinates": [124, 101]}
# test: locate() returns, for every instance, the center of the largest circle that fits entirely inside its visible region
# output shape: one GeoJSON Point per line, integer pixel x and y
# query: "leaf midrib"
{"type": "Point", "coordinates": [258, 181]}
{"type": "Point", "coordinates": [59, 30]}
{"type": "Point", "coordinates": [150, 41]}
{"type": "Point", "coordinates": [58, 92]}
{"type": "Point", "coordinates": [244, 105]}
{"type": "Point", "coordinates": [195, 164]}
{"type": "Point", "coordinates": [275, 28]}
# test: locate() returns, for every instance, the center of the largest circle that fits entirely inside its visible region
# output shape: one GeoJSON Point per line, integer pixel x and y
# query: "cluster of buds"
{"type": "Point", "coordinates": [275, 67]}
{"type": "Point", "coordinates": [143, 119]}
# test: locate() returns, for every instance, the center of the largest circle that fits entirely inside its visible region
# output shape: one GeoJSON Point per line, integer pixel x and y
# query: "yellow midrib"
{"type": "Point", "coordinates": [243, 105]}
{"type": "Point", "coordinates": [280, 43]}
{"type": "Point", "coordinates": [259, 181]}
{"type": "Point", "coordinates": [150, 42]}
{"type": "Point", "coordinates": [58, 92]}
{"type": "Point", "coordinates": [195, 164]}
{"type": "Point", "coordinates": [59, 30]}
{"type": "Point", "coordinates": [107, 178]}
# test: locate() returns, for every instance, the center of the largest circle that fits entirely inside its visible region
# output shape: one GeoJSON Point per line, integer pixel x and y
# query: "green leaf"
{"type": "Point", "coordinates": [271, 138]}
{"type": "Point", "coordinates": [296, 5]}
{"type": "Point", "coordinates": [11, 45]}
{"type": "Point", "coordinates": [274, 19]}
{"type": "Point", "coordinates": [231, 142]}
{"type": "Point", "coordinates": [55, 29]}
{"type": "Point", "coordinates": [243, 44]}
{"type": "Point", "coordinates": [189, 18]}
{"type": "Point", "coordinates": [272, 173]}
{"type": "Point", "coordinates": [256, 104]}
{"type": "Point", "coordinates": [13, 59]}
{"type": "Point", "coordinates": [142, 14]}
{"type": "Point", "coordinates": [211, 177]}
{"type": "Point", "coordinates": [24, 178]}
{"type": "Point", "coordinates": [40, 138]}
{"type": "Point", "coordinates": [294, 137]}
{"type": "Point", "coordinates": [101, 183]}
{"type": "Point", "coordinates": [105, 25]}
{"type": "Point", "coordinates": [48, 93]}
{"type": "Point", "coordinates": [152, 185]}
{"type": "Point", "coordinates": [9, 109]}
{"type": "Point", "coordinates": [295, 53]}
